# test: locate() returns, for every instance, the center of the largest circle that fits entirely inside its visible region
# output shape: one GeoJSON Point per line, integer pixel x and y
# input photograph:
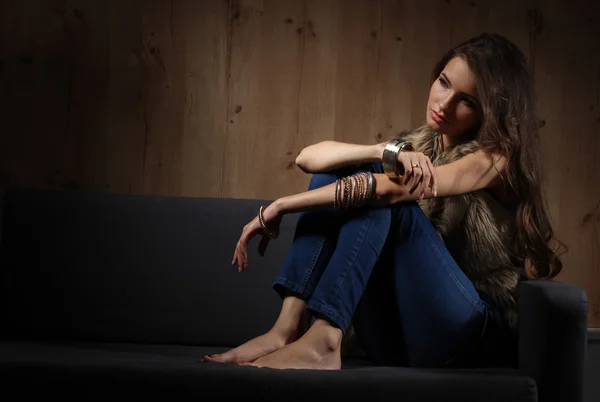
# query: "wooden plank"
{"type": "Point", "coordinates": [265, 67]}
{"type": "Point", "coordinates": [125, 142]}
{"type": "Point", "coordinates": [84, 148]}
{"type": "Point", "coordinates": [393, 104]}
{"type": "Point", "coordinates": [404, 69]}
{"type": "Point", "coordinates": [567, 100]}
{"type": "Point", "coordinates": [317, 97]}
{"type": "Point", "coordinates": [423, 48]}
{"type": "Point", "coordinates": [579, 197]}
{"type": "Point", "coordinates": [162, 55]}
{"type": "Point", "coordinates": [205, 26]}
{"type": "Point", "coordinates": [244, 87]}
{"type": "Point", "coordinates": [357, 65]}
{"type": "Point", "coordinates": [36, 66]}
{"type": "Point", "coordinates": [146, 97]}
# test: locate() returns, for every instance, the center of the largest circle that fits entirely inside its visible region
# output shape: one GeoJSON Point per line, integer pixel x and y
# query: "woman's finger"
{"type": "Point", "coordinates": [434, 183]}
{"type": "Point", "coordinates": [414, 176]}
{"type": "Point", "coordinates": [426, 175]}
{"type": "Point", "coordinates": [237, 251]}
{"type": "Point", "coordinates": [406, 167]}
{"type": "Point", "coordinates": [244, 258]}
{"type": "Point", "coordinates": [239, 257]}
{"type": "Point", "coordinates": [242, 250]}
{"type": "Point", "coordinates": [417, 170]}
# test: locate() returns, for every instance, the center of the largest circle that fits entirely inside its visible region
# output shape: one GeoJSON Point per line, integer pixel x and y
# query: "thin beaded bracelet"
{"type": "Point", "coordinates": [261, 218]}
{"type": "Point", "coordinates": [346, 193]}
{"type": "Point", "coordinates": [361, 187]}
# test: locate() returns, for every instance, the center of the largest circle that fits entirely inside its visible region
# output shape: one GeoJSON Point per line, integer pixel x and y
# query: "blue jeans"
{"type": "Point", "coordinates": [386, 271]}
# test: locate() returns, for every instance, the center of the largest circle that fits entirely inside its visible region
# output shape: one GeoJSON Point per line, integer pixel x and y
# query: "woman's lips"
{"type": "Point", "coordinates": [437, 118]}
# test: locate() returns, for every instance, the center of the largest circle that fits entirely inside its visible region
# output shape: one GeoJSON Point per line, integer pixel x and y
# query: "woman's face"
{"type": "Point", "coordinates": [453, 107]}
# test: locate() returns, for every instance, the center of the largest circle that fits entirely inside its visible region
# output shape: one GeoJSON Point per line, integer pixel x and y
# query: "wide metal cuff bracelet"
{"type": "Point", "coordinates": [390, 156]}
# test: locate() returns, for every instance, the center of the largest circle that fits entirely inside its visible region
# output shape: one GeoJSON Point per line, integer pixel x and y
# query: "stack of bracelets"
{"type": "Point", "coordinates": [351, 191]}
{"type": "Point", "coordinates": [357, 190]}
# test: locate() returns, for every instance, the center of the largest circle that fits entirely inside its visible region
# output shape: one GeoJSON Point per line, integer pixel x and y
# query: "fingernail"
{"type": "Point", "coordinates": [435, 193]}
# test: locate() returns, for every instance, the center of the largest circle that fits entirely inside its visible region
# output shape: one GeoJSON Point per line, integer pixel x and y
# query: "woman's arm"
{"type": "Point", "coordinates": [328, 155]}
{"type": "Point", "coordinates": [470, 173]}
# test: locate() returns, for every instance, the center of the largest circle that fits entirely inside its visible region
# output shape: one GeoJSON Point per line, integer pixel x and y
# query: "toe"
{"type": "Point", "coordinates": [211, 358]}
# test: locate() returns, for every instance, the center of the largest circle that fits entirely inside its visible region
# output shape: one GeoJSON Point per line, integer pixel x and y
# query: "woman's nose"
{"type": "Point", "coordinates": [443, 106]}
{"type": "Point", "coordinates": [444, 103]}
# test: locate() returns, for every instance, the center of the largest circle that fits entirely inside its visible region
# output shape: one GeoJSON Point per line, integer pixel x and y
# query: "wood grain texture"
{"type": "Point", "coordinates": [357, 64]}
{"type": "Point", "coordinates": [126, 133]}
{"type": "Point", "coordinates": [316, 117]}
{"type": "Point", "coordinates": [202, 149]}
{"type": "Point", "coordinates": [567, 82]}
{"type": "Point", "coordinates": [216, 98]}
{"type": "Point", "coordinates": [265, 68]}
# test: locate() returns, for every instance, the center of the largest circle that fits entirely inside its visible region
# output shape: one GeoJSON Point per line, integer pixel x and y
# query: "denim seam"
{"type": "Point", "coordinates": [293, 286]}
{"type": "Point", "coordinates": [330, 313]}
{"type": "Point", "coordinates": [311, 267]}
{"type": "Point", "coordinates": [355, 250]}
{"type": "Point", "coordinates": [476, 304]}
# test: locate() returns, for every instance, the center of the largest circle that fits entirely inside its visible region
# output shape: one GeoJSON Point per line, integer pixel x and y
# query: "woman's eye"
{"type": "Point", "coordinates": [469, 103]}
{"type": "Point", "coordinates": [443, 82]}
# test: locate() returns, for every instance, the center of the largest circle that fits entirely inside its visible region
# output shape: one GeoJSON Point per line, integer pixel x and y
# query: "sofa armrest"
{"type": "Point", "coordinates": [553, 338]}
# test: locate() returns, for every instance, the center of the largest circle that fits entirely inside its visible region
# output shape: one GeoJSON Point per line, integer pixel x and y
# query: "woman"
{"type": "Point", "coordinates": [418, 244]}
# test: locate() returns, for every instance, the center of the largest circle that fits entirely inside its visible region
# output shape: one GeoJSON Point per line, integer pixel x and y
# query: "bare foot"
{"type": "Point", "coordinates": [318, 349]}
{"type": "Point", "coordinates": [283, 332]}
{"type": "Point", "coordinates": [251, 350]}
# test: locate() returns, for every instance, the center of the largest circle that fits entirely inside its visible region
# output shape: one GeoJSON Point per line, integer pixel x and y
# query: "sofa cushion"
{"type": "Point", "coordinates": [98, 371]}
{"type": "Point", "coordinates": [133, 268]}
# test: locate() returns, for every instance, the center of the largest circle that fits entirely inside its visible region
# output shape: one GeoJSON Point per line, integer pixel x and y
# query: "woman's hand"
{"type": "Point", "coordinates": [418, 169]}
{"type": "Point", "coordinates": [272, 219]}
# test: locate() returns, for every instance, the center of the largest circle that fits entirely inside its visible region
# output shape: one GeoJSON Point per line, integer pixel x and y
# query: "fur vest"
{"type": "Point", "coordinates": [476, 229]}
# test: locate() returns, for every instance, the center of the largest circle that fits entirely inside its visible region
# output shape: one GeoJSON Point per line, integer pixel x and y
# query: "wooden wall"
{"type": "Point", "coordinates": [217, 97]}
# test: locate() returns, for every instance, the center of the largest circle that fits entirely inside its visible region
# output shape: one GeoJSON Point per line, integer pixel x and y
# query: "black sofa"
{"type": "Point", "coordinates": [117, 297]}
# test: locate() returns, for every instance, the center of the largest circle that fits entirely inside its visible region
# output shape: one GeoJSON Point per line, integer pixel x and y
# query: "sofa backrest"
{"type": "Point", "coordinates": [87, 266]}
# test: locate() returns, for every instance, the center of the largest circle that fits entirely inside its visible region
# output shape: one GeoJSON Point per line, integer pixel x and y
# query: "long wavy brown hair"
{"type": "Point", "coordinates": [509, 128]}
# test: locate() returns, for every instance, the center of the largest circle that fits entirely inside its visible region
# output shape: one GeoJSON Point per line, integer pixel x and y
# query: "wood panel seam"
{"type": "Point", "coordinates": [227, 92]}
